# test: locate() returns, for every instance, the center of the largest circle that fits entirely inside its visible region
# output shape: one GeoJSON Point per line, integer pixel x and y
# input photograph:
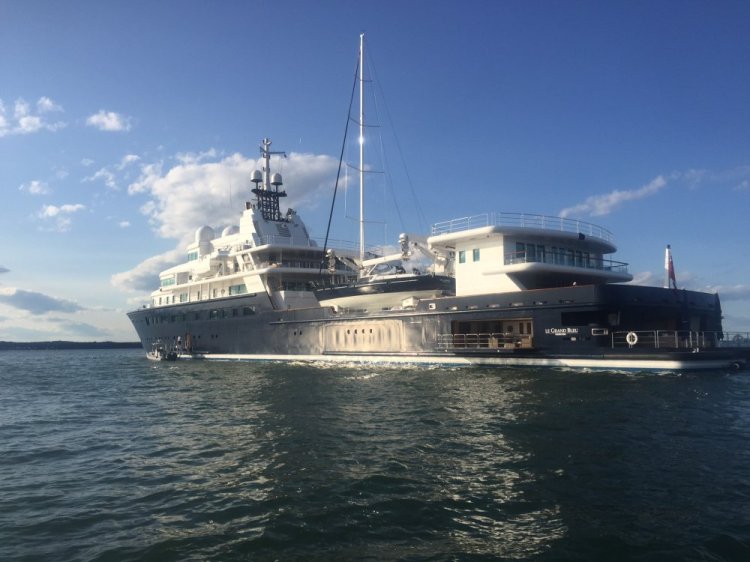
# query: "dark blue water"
{"type": "Point", "coordinates": [106, 456]}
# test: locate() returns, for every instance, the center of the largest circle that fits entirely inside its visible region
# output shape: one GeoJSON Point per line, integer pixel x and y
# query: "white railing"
{"type": "Point", "coordinates": [565, 258]}
{"type": "Point", "coordinates": [522, 220]}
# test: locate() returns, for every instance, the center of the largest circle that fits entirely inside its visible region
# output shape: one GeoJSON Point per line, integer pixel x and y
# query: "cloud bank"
{"type": "Point", "coordinates": [193, 192]}
{"type": "Point", "coordinates": [34, 302]}
{"type": "Point", "coordinates": [145, 275]}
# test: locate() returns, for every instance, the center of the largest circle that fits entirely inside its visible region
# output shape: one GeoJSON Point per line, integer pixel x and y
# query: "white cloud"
{"type": "Point", "coordinates": [124, 224]}
{"type": "Point", "coordinates": [196, 157]}
{"type": "Point", "coordinates": [46, 105]}
{"type": "Point", "coordinates": [145, 276]}
{"type": "Point", "coordinates": [109, 121]}
{"type": "Point", "coordinates": [105, 176]}
{"type": "Point", "coordinates": [35, 187]}
{"type": "Point", "coordinates": [647, 278]}
{"type": "Point", "coordinates": [87, 162]}
{"type": "Point", "coordinates": [737, 292]}
{"type": "Point", "coordinates": [189, 195]}
{"type": "Point", "coordinates": [60, 215]}
{"type": "Point", "coordinates": [598, 205]}
{"type": "Point", "coordinates": [24, 121]}
{"type": "Point", "coordinates": [34, 302]}
{"type": "Point", "coordinates": [127, 160]}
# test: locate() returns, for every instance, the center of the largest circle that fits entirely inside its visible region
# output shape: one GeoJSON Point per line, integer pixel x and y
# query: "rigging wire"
{"type": "Point", "coordinates": [420, 213]}
{"type": "Point", "coordinates": [338, 173]}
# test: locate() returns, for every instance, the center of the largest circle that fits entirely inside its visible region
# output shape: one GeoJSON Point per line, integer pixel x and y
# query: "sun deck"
{"type": "Point", "coordinates": [523, 220]}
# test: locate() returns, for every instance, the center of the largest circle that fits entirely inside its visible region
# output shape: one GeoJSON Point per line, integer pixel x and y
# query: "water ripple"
{"type": "Point", "coordinates": [105, 456]}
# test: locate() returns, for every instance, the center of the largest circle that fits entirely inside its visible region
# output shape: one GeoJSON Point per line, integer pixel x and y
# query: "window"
{"type": "Point", "coordinates": [167, 281]}
{"type": "Point", "coordinates": [530, 253]}
{"type": "Point", "coordinates": [461, 256]}
{"type": "Point", "coordinates": [540, 253]}
{"type": "Point", "coordinates": [237, 289]}
{"type": "Point", "coordinates": [475, 254]}
{"type": "Point", "coordinates": [193, 255]}
{"type": "Point", "coordinates": [183, 297]}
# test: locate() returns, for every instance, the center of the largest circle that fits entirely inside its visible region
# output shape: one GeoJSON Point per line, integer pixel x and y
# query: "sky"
{"type": "Point", "coordinates": [127, 125]}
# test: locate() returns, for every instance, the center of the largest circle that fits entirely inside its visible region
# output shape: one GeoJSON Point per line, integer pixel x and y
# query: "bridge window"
{"type": "Point", "coordinates": [237, 289]}
{"type": "Point", "coordinates": [475, 254]}
{"type": "Point", "coordinates": [461, 256]}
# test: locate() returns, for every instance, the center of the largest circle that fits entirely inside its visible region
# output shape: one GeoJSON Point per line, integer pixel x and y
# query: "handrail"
{"type": "Point", "coordinates": [679, 339]}
{"type": "Point", "coordinates": [564, 258]}
{"type": "Point", "coordinates": [522, 220]}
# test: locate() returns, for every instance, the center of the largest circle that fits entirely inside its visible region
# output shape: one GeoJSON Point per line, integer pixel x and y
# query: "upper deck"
{"type": "Point", "coordinates": [523, 220]}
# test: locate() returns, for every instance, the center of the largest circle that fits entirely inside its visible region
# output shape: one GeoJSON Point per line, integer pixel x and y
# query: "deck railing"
{"type": "Point", "coordinates": [567, 259]}
{"type": "Point", "coordinates": [642, 339]}
{"type": "Point", "coordinates": [679, 339]}
{"type": "Point", "coordinates": [523, 220]}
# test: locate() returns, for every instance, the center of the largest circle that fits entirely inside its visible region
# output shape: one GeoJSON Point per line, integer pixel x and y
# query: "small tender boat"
{"type": "Point", "coordinates": [159, 352]}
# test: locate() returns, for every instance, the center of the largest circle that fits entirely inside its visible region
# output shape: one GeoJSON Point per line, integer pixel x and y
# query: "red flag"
{"type": "Point", "coordinates": [671, 280]}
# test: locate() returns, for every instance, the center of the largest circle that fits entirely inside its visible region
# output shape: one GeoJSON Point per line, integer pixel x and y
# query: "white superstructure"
{"type": "Point", "coordinates": [268, 254]}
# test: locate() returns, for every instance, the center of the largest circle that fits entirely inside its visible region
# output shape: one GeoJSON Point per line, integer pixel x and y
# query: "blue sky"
{"type": "Point", "coordinates": [124, 126]}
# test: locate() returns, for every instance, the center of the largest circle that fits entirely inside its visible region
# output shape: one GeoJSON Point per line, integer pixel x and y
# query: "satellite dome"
{"type": "Point", "coordinates": [229, 230]}
{"type": "Point", "coordinates": [204, 234]}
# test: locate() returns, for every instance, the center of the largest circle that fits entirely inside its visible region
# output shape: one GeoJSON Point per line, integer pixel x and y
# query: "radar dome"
{"type": "Point", "coordinates": [229, 230]}
{"type": "Point", "coordinates": [204, 234]}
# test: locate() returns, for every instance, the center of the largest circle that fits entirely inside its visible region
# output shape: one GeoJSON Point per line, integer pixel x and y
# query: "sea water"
{"type": "Point", "coordinates": [107, 456]}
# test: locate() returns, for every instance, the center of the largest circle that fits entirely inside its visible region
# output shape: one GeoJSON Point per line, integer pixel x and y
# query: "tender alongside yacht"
{"type": "Point", "coordinates": [500, 289]}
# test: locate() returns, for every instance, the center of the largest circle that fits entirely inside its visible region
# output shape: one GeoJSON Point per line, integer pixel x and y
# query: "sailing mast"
{"type": "Point", "coordinates": [361, 147]}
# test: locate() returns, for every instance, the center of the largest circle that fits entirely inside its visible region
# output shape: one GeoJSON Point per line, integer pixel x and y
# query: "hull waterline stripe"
{"type": "Point", "coordinates": [629, 364]}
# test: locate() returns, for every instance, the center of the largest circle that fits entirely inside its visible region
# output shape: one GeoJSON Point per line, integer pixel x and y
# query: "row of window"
{"type": "Point", "coordinates": [215, 293]}
{"type": "Point", "coordinates": [214, 314]}
{"type": "Point", "coordinates": [527, 252]}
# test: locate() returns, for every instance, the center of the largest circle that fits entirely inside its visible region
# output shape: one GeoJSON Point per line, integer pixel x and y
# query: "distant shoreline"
{"type": "Point", "coordinates": [39, 345]}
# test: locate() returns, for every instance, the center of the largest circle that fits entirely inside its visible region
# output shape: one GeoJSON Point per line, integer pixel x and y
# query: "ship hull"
{"type": "Point", "coordinates": [588, 327]}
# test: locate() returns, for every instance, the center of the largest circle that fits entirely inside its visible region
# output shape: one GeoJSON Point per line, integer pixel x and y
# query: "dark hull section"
{"type": "Point", "coordinates": [618, 326]}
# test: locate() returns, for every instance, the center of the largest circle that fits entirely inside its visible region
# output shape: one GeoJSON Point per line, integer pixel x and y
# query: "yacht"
{"type": "Point", "coordinates": [500, 289]}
